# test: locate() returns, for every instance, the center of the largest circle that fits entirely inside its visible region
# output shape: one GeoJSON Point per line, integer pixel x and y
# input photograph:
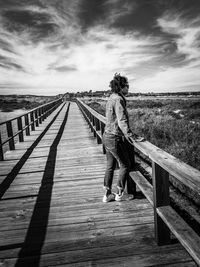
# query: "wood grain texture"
{"type": "Point", "coordinates": [52, 213]}
{"type": "Point", "coordinates": [188, 238]}
{"type": "Point", "coordinates": [143, 184]}
{"type": "Point", "coordinates": [177, 168]}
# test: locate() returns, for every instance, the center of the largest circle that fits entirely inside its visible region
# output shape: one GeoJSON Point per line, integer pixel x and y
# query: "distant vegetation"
{"type": "Point", "coordinates": [9, 103]}
{"type": "Point", "coordinates": [170, 124]}
{"type": "Point", "coordinates": [104, 93]}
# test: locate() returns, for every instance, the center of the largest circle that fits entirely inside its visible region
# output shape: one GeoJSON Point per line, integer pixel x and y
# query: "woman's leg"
{"type": "Point", "coordinates": [111, 163]}
{"type": "Point", "coordinates": [122, 156]}
{"type": "Point", "coordinates": [109, 144]}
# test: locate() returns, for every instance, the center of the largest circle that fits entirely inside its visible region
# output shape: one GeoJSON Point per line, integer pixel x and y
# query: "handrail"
{"type": "Point", "coordinates": [183, 172]}
{"type": "Point", "coordinates": [31, 118]}
{"type": "Point", "coordinates": [163, 164]}
{"type": "Point", "coordinates": [28, 112]}
{"type": "Point", "coordinates": [174, 166]}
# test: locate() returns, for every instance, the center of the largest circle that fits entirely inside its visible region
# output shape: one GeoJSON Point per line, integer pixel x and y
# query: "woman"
{"type": "Point", "coordinates": [117, 132]}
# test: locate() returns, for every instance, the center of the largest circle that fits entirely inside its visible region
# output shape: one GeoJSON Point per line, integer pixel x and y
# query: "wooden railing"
{"type": "Point", "coordinates": [166, 219]}
{"type": "Point", "coordinates": [25, 123]}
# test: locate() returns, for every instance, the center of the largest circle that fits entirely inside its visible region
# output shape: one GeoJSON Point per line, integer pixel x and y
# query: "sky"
{"type": "Point", "coordinates": [49, 47]}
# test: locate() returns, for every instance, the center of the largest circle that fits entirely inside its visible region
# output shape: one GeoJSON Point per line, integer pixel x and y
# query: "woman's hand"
{"type": "Point", "coordinates": [136, 138]}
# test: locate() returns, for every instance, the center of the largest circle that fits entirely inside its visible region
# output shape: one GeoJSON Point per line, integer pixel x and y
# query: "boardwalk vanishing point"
{"type": "Point", "coordinates": [51, 209]}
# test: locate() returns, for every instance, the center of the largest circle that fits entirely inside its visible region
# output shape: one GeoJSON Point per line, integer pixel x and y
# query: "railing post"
{"type": "Point", "coordinates": [44, 113]}
{"type": "Point", "coordinates": [97, 124]}
{"type": "Point", "coordinates": [26, 124]}
{"type": "Point", "coordinates": [1, 149]}
{"type": "Point", "coordinates": [131, 185]}
{"type": "Point", "coordinates": [48, 110]}
{"type": "Point", "coordinates": [19, 124]}
{"type": "Point", "coordinates": [40, 114]}
{"type": "Point", "coordinates": [161, 198]}
{"type": "Point", "coordinates": [32, 121]}
{"type": "Point", "coordinates": [94, 126]}
{"type": "Point", "coordinates": [42, 110]}
{"type": "Point", "coordinates": [102, 126]}
{"type": "Point", "coordinates": [10, 134]}
{"type": "Point", "coordinates": [36, 117]}
{"type": "Point", "coordinates": [90, 121]}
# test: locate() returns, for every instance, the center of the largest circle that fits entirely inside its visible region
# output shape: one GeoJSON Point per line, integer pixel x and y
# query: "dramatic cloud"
{"type": "Point", "coordinates": [55, 46]}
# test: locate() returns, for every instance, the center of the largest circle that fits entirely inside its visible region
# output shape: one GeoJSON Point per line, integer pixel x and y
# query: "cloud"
{"type": "Point", "coordinates": [171, 79]}
{"type": "Point", "coordinates": [187, 33]}
{"type": "Point", "coordinates": [77, 45]}
{"type": "Point", "coordinates": [34, 25]}
{"type": "Point", "coordinates": [65, 68]}
{"type": "Point", "coordinates": [117, 9]}
{"type": "Point", "coordinates": [6, 46]}
{"type": "Point", "coordinates": [8, 64]}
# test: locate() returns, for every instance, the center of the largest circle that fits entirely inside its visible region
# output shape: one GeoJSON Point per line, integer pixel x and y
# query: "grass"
{"type": "Point", "coordinates": [11, 103]}
{"type": "Point", "coordinates": [179, 137]}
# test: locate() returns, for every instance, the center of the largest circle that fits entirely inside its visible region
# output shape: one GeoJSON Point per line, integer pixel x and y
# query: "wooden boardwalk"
{"type": "Point", "coordinates": [51, 210]}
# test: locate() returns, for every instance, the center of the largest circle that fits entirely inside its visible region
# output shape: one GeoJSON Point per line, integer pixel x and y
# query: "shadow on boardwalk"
{"type": "Point", "coordinates": [36, 232]}
{"type": "Point", "coordinates": [11, 176]}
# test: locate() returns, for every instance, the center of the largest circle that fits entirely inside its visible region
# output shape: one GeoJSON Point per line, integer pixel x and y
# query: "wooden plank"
{"type": "Point", "coordinates": [61, 156]}
{"type": "Point", "coordinates": [146, 257]}
{"type": "Point", "coordinates": [89, 239]}
{"type": "Point", "coordinates": [35, 178]}
{"type": "Point", "coordinates": [160, 179]}
{"type": "Point", "coordinates": [187, 237]}
{"type": "Point", "coordinates": [164, 258]}
{"type": "Point", "coordinates": [182, 171]}
{"type": "Point", "coordinates": [10, 134]}
{"type": "Point", "coordinates": [143, 184]}
{"type": "Point", "coordinates": [61, 220]}
{"type": "Point", "coordinates": [76, 231]}
{"type": "Point", "coordinates": [26, 119]}
{"type": "Point", "coordinates": [20, 220]}
{"type": "Point", "coordinates": [20, 127]}
{"type": "Point", "coordinates": [90, 205]}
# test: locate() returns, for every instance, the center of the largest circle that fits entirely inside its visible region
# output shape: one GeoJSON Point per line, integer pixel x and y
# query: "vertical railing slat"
{"type": "Point", "coordinates": [98, 128]}
{"type": "Point", "coordinates": [161, 198]}
{"type": "Point", "coordinates": [1, 149]}
{"type": "Point", "coordinates": [45, 112]}
{"type": "Point", "coordinates": [94, 126]}
{"type": "Point", "coordinates": [32, 121]}
{"type": "Point", "coordinates": [36, 118]}
{"type": "Point", "coordinates": [102, 127]}
{"type": "Point", "coordinates": [40, 114]}
{"type": "Point", "coordinates": [131, 185]}
{"type": "Point", "coordinates": [26, 124]}
{"type": "Point", "coordinates": [19, 124]}
{"type": "Point", "coordinates": [10, 134]}
{"type": "Point", "coordinates": [42, 111]}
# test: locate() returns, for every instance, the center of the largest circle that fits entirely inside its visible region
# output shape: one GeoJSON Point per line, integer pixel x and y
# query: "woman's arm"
{"type": "Point", "coordinates": [123, 122]}
{"type": "Point", "coordinates": [122, 118]}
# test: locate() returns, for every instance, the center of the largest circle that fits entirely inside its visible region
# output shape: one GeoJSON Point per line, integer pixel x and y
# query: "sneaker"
{"type": "Point", "coordinates": [131, 196]}
{"type": "Point", "coordinates": [119, 197]}
{"type": "Point", "coordinates": [108, 198]}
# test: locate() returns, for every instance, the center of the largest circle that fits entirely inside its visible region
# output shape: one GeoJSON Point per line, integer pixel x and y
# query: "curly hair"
{"type": "Point", "coordinates": [118, 83]}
